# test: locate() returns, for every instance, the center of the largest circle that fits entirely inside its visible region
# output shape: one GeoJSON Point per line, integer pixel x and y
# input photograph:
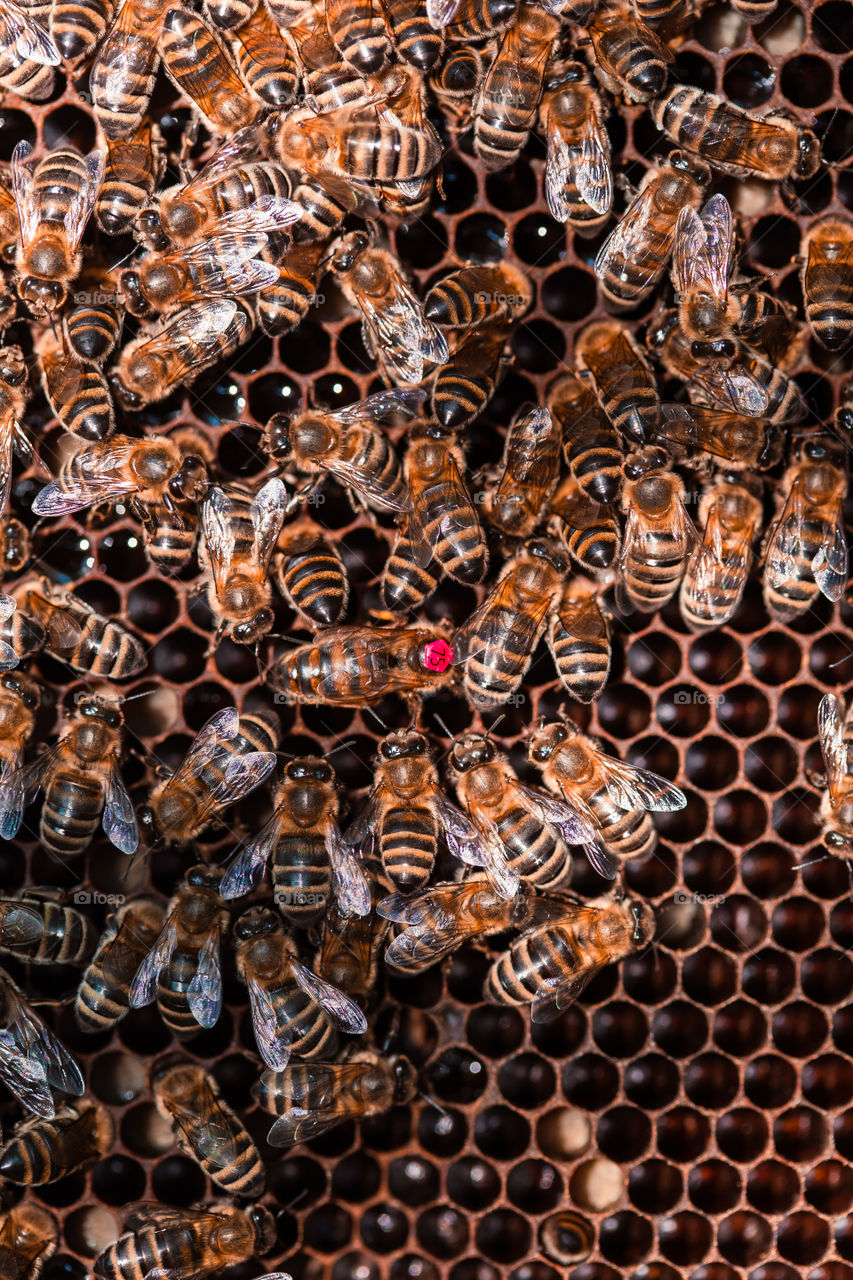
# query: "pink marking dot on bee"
{"type": "Point", "coordinates": [438, 655]}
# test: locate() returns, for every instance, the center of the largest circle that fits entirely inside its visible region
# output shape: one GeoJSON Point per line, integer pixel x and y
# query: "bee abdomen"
{"type": "Point", "coordinates": [99, 1005]}
{"type": "Point", "coordinates": [652, 582]}
{"type": "Point", "coordinates": [302, 879]}
{"type": "Point", "coordinates": [596, 463]}
{"type": "Point", "coordinates": [73, 804]}
{"type": "Point", "coordinates": [457, 398]}
{"type": "Point", "coordinates": [626, 833]}
{"type": "Point", "coordinates": [582, 664]}
{"type": "Point", "coordinates": [534, 852]}
{"type": "Point", "coordinates": [107, 650]}
{"type": "Point", "coordinates": [535, 960]}
{"type": "Point", "coordinates": [406, 584]}
{"type": "Point", "coordinates": [408, 846]}
{"type": "Point", "coordinates": [172, 987]}
{"type": "Point", "coordinates": [77, 27]}
{"type": "Point", "coordinates": [489, 684]}
{"type": "Point", "coordinates": [460, 552]}
{"type": "Point", "coordinates": [315, 582]}
{"type": "Point", "coordinates": [68, 936]}
{"type": "Point", "coordinates": [312, 1033]}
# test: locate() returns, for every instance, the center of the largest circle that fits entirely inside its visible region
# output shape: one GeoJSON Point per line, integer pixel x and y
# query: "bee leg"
{"type": "Point", "coordinates": [817, 779]}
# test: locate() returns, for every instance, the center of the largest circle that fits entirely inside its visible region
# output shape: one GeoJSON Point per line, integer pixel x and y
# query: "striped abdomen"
{"type": "Point", "coordinates": [124, 70]}
{"type": "Point", "coordinates": [197, 63]}
{"type": "Point", "coordinates": [358, 30]}
{"type": "Point", "coordinates": [620, 51]}
{"type": "Point", "coordinates": [454, 533]}
{"type": "Point", "coordinates": [93, 330]}
{"type": "Point", "coordinates": [594, 456]}
{"type": "Point", "coordinates": [265, 60]}
{"type": "Point", "coordinates": [533, 851]}
{"type": "Point", "coordinates": [405, 584]}
{"type": "Point", "coordinates": [582, 658]}
{"type": "Point", "coordinates": [79, 395]}
{"type": "Point", "coordinates": [651, 579]}
{"type": "Point", "coordinates": [531, 965]}
{"type": "Point", "coordinates": [73, 804]}
{"type": "Point", "coordinates": [302, 878]}
{"type": "Point", "coordinates": [68, 936]}
{"type": "Point", "coordinates": [467, 381]}
{"type": "Point", "coordinates": [104, 649]}
{"type": "Point", "coordinates": [77, 26]}
{"type": "Point", "coordinates": [170, 535]}
{"type": "Point", "coordinates": [497, 662]}
{"type": "Point", "coordinates": [407, 844]}
{"type": "Point", "coordinates": [414, 38]}
{"type": "Point", "coordinates": [312, 577]}
{"type": "Point", "coordinates": [28, 80]}
{"type": "Point", "coordinates": [594, 543]}
{"type": "Point", "coordinates": [626, 833]}
{"type": "Point", "coordinates": [312, 1034]}
{"type": "Point", "coordinates": [800, 591]}
{"type": "Point", "coordinates": [243, 1175]}
{"type": "Point", "coordinates": [371, 452]}
{"type": "Point", "coordinates": [172, 988]}
{"type": "Point", "coordinates": [150, 1248]}
{"type": "Point", "coordinates": [505, 112]}
{"type": "Point", "coordinates": [129, 180]}
{"type": "Point", "coordinates": [385, 152]}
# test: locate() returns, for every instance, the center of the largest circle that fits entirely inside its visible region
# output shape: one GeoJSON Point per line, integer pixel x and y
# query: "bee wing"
{"type": "Point", "coordinates": [703, 248]}
{"type": "Point", "coordinates": [229, 264]}
{"type": "Point", "coordinates": [697, 427]}
{"type": "Point", "coordinates": [103, 478]}
{"type": "Point", "coordinates": [119, 820]}
{"type": "Point", "coordinates": [403, 400]}
{"type": "Point", "coordinates": [61, 628]}
{"type": "Point", "coordinates": [452, 497]}
{"type": "Point", "coordinates": [18, 788]}
{"type": "Point", "coordinates": [362, 482]}
{"type": "Point", "coordinates": [248, 866]}
{"type": "Point", "coordinates": [20, 923]}
{"type": "Point", "coordinates": [299, 1125]}
{"type": "Point", "coordinates": [266, 214]}
{"type": "Point", "coordinates": [583, 161]}
{"type": "Point", "coordinates": [361, 833]}
{"type": "Point", "coordinates": [144, 985]}
{"type": "Point", "coordinates": [221, 727]}
{"type": "Point", "coordinates": [573, 821]}
{"type": "Point", "coordinates": [420, 950]}
{"type": "Point", "coordinates": [9, 431]}
{"type": "Point", "coordinates": [829, 565]}
{"type": "Point", "coordinates": [736, 388]}
{"type": "Point", "coordinates": [38, 1044]}
{"type": "Point", "coordinates": [440, 13]}
{"type": "Point", "coordinates": [242, 774]}
{"type": "Point", "coordinates": [714, 569]}
{"type": "Point", "coordinates": [830, 732]}
{"type": "Point", "coordinates": [25, 1079]}
{"type": "Point", "coordinates": [334, 1003]}
{"type": "Point", "coordinates": [631, 236]}
{"type": "Point", "coordinates": [204, 994]}
{"type": "Point", "coordinates": [82, 202]}
{"type": "Point", "coordinates": [401, 333]}
{"type": "Point", "coordinates": [242, 145]}
{"type": "Point", "coordinates": [498, 615]}
{"type": "Point", "coordinates": [786, 544]}
{"type": "Point", "coordinates": [478, 846]}
{"type": "Point", "coordinates": [268, 512]}
{"type": "Point", "coordinates": [352, 889]}
{"type": "Point", "coordinates": [194, 334]}
{"type": "Point", "coordinates": [272, 1039]}
{"type": "Point", "coordinates": [550, 1003]}
{"type": "Point", "coordinates": [27, 39]}
{"type": "Point", "coordinates": [632, 788]}
{"type": "Point", "coordinates": [22, 189]}
{"type": "Point", "coordinates": [218, 1138]}
{"type": "Point", "coordinates": [218, 533]}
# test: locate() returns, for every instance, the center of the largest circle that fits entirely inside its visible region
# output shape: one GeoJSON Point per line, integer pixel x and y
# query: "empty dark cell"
{"type": "Point", "coordinates": [831, 1271]}
{"type": "Point", "coordinates": [649, 977]}
{"type": "Point", "coordinates": [683, 710]}
{"type": "Point", "coordinates": [651, 1081]}
{"type": "Point", "coordinates": [176, 1181]}
{"type": "Point", "coordinates": [624, 706]}
{"type": "Point", "coordinates": [538, 240]}
{"type": "Point", "coordinates": [802, 1238]}
{"type": "Point", "coordinates": [503, 1235]}
{"type": "Point", "coordinates": [743, 1238]}
{"type": "Point", "coordinates": [387, 1132]}
{"type": "Point", "coordinates": [654, 663]}
{"type": "Point", "coordinates": [180, 656]}
{"type": "Point", "coordinates": [122, 555]}
{"type": "Point", "coordinates": [467, 973]}
{"type": "Point", "coordinates": [327, 1228]}
{"type": "Point", "coordinates": [714, 1186]}
{"type": "Point", "coordinates": [742, 1134]}
{"type": "Point", "coordinates": [796, 816]}
{"type": "Point", "coordinates": [218, 398]}
{"type": "Point", "coordinates": [384, 1227]}
{"type": "Point", "coordinates": [769, 1080]}
{"type": "Point", "coordinates": [620, 1029]}
{"type": "Point", "coordinates": [715, 659]}
{"type": "Point", "coordinates": [708, 976]}
{"type": "Point", "coordinates": [740, 1028]}
{"type": "Point", "coordinates": [356, 1265]}
{"type": "Point", "coordinates": [443, 1132]}
{"type": "Point", "coordinates": [770, 764]}
{"type": "Point", "coordinates": [711, 763]}
{"type": "Point", "coordinates": [682, 1134]}
{"type": "Point", "coordinates": [835, 130]}
{"type": "Point", "coordinates": [334, 390]}
{"type": "Point", "coordinates": [527, 1081]}
{"type": "Point", "coordinates": [711, 1081]}
{"type": "Point", "coordinates": [748, 80]}
{"type": "Point", "coordinates": [841, 923]}
{"type": "Point", "coordinates": [240, 452]}
{"type": "Point", "coordinates": [472, 1183]}
{"type": "Point", "coordinates": [774, 1271]}
{"type": "Point", "coordinates": [494, 1031]}
{"type": "Point", "coordinates": [569, 294]}
{"type": "Point", "coordinates": [350, 349]}
{"type": "Point", "coordinates": [305, 1178]}
{"type": "Point", "coordinates": [772, 1187]}
{"type": "Point", "coordinates": [768, 870]}
{"type": "Point", "coordinates": [624, 1133]}
{"type": "Point", "coordinates": [625, 1238]}
{"type": "Point", "coordinates": [679, 1029]}
{"type": "Point", "coordinates": [473, 1269]}
{"type": "Point", "coordinates": [744, 712]}
{"type": "Point", "coordinates": [655, 1186]}
{"type": "Point", "coordinates": [829, 1187]}
{"type": "Point", "coordinates": [422, 991]}
{"type": "Point", "coordinates": [442, 1231]}
{"type": "Point", "coordinates": [539, 346]}
{"type": "Point", "coordinates": [460, 185]}
{"type": "Point", "coordinates": [307, 349]}
{"type": "Point", "coordinates": [797, 923]}
{"type": "Point", "coordinates": [511, 189]}
{"type": "Point", "coordinates": [826, 976]}
{"type": "Point", "coordinates": [844, 1237]}
{"type": "Point", "coordinates": [480, 238]}
{"type": "Point", "coordinates": [236, 662]}
{"type": "Point", "coordinates": [832, 26]}
{"type": "Point", "coordinates": [421, 244]}
{"type": "Point", "coordinates": [827, 877]}
{"type": "Point", "coordinates": [66, 1191]}
{"type": "Point", "coordinates": [740, 816]}
{"type": "Point", "coordinates": [501, 1133]}
{"type": "Point", "coordinates": [681, 825]}
{"type": "Point", "coordinates": [799, 1029]}
{"type": "Point", "coordinates": [590, 1081]}
{"type": "Point", "coordinates": [800, 1134]}
{"type": "Point", "coordinates": [827, 1081]}
{"type": "Point", "coordinates": [807, 81]}
{"type": "Point", "coordinates": [534, 1186]}
{"type": "Point", "coordinates": [152, 605]}
{"type": "Point", "coordinates": [685, 1238]}
{"type": "Point", "coordinates": [412, 1179]}
{"type": "Point", "coordinates": [15, 127]}
{"type": "Point", "coordinates": [709, 867]}
{"type": "Point", "coordinates": [68, 126]}
{"type": "Point", "coordinates": [738, 923]}
{"type": "Point", "coordinates": [774, 241]}
{"type": "Point", "coordinates": [560, 1037]}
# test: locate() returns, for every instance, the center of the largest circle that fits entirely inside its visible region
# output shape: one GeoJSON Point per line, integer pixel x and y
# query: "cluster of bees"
{"type": "Point", "coordinates": [315, 124]}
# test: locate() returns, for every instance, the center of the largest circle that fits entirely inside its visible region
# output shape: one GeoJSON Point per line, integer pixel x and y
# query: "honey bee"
{"type": "Point", "coordinates": [310, 1098]}
{"type": "Point", "coordinates": [633, 258]}
{"type": "Point", "coordinates": [496, 645]}
{"type": "Point", "coordinates": [266, 59]}
{"type": "Point", "coordinates": [159, 479]}
{"type": "Point", "coordinates": [78, 26]}
{"type": "Point", "coordinates": [153, 365]}
{"type": "Point", "coordinates": [54, 200]}
{"type": "Point", "coordinates": [620, 375]}
{"type": "Point", "coordinates": [125, 66]}
{"type": "Point", "coordinates": [735, 141]}
{"type": "Point", "coordinates": [281, 306]}
{"type": "Point", "coordinates": [15, 546]}
{"type": "Point", "coordinates": [591, 446]}
{"type": "Point", "coordinates": [692, 433]}
{"type": "Point", "coordinates": [32, 1060]}
{"type": "Point", "coordinates": [293, 1010]}
{"type": "Point", "coordinates": [196, 1242]}
{"type": "Point", "coordinates": [631, 59]}
{"type": "Point", "coordinates": [702, 264]}
{"type": "Point", "coordinates": [240, 531]}
{"type": "Point", "coordinates": [578, 177]}
{"type": "Point", "coordinates": [528, 473]}
{"type": "Point", "coordinates": [806, 546]}
{"type": "Point", "coordinates": [303, 842]}
{"type": "Point", "coordinates": [81, 782]}
{"type": "Point", "coordinates": [612, 795]}
{"type": "Point", "coordinates": [346, 445]}
{"type": "Point", "coordinates": [20, 698]}
{"type": "Point", "coordinates": [92, 326]}
{"type": "Point", "coordinates": [310, 574]}
{"type": "Point", "coordinates": [394, 327]}
{"type": "Point", "coordinates": [659, 534]}
{"type": "Point", "coordinates": [27, 53]}
{"type": "Point", "coordinates": [359, 33]}
{"type": "Point", "coordinates": [588, 529]}
{"type": "Point", "coordinates": [14, 393]}
{"type": "Point", "coordinates": [836, 810]}
{"type": "Point", "coordinates": [470, 21]}
{"type": "Point", "coordinates": [467, 381]}
{"type": "Point", "coordinates": [207, 1130]}
{"type": "Point", "coordinates": [508, 100]}
{"type": "Point", "coordinates": [531, 828]}
{"type": "Point", "coordinates": [550, 964]}
{"type": "Point", "coordinates": [712, 587]}
{"type": "Point", "coordinates": [75, 634]}
{"type": "Point", "coordinates": [441, 519]}
{"type": "Point", "coordinates": [182, 969]}
{"type": "Point", "coordinates": [227, 14]}
{"type": "Point", "coordinates": [328, 81]}
{"type": "Point", "coordinates": [20, 636]}
{"type": "Point", "coordinates": [405, 582]}
{"type": "Point", "coordinates": [216, 771]}
{"type": "Point", "coordinates": [76, 389]}
{"type": "Point", "coordinates": [476, 295]}
{"type": "Point", "coordinates": [454, 84]}
{"type": "Point", "coordinates": [40, 929]}
{"type": "Point", "coordinates": [827, 279]}
{"type": "Point", "coordinates": [412, 33]}
{"type": "Point", "coordinates": [28, 1238]}
{"type": "Point", "coordinates": [45, 1150]}
{"type": "Point", "coordinates": [103, 996]}
{"type": "Point", "coordinates": [349, 950]}
{"type": "Point", "coordinates": [197, 63]}
{"type": "Point", "coordinates": [579, 640]}
{"type": "Point", "coordinates": [407, 811]}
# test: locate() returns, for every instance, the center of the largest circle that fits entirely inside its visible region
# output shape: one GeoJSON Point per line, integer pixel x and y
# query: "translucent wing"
{"type": "Point", "coordinates": [204, 994]}
{"type": "Point", "coordinates": [363, 482]}
{"type": "Point", "coordinates": [268, 512]}
{"type": "Point", "coordinates": [39, 1045]}
{"type": "Point", "coordinates": [334, 1003]}
{"type": "Point", "coordinates": [485, 634]}
{"type": "Point", "coordinates": [246, 870]}
{"type": "Point", "coordinates": [582, 162]}
{"type": "Point", "coordinates": [228, 264]}
{"type": "Point", "coordinates": [400, 333]}
{"type": "Point", "coordinates": [209, 1130]}
{"type": "Point", "coordinates": [703, 247]}
{"type": "Point", "coordinates": [445, 491]}
{"type": "Point", "coordinates": [194, 334]}
{"type": "Point", "coordinates": [272, 1039]}
{"type": "Point", "coordinates": [633, 237]}
{"type": "Point", "coordinates": [829, 565]}
{"type": "Point", "coordinates": [830, 732]}
{"type": "Point", "coordinates": [25, 38]}
{"type": "Point", "coordinates": [352, 888]}
{"type": "Point", "coordinates": [22, 189]}
{"type": "Point", "coordinates": [25, 1078]}
{"type": "Point", "coordinates": [736, 389]}
{"type": "Point", "coordinates": [119, 820]}
{"type": "Point", "coordinates": [219, 538]}
{"type": "Point", "coordinates": [551, 1003]}
{"type": "Point", "coordinates": [242, 774]}
{"type": "Point", "coordinates": [717, 570]}
{"type": "Point", "coordinates": [11, 437]}
{"type": "Point", "coordinates": [8, 657]}
{"type": "Point", "coordinates": [266, 214]}
{"type": "Point", "coordinates": [787, 541]}
{"type": "Point", "coordinates": [441, 12]}
{"type": "Point", "coordinates": [575, 824]}
{"type": "Point", "coordinates": [101, 476]}
{"type": "Point", "coordinates": [402, 400]}
{"type": "Point", "coordinates": [144, 985]}
{"type": "Point", "coordinates": [240, 147]}
{"type": "Point", "coordinates": [299, 1125]}
{"type": "Point", "coordinates": [466, 841]}
{"type": "Point", "coordinates": [720, 433]}
{"type": "Point", "coordinates": [17, 790]}
{"type": "Point", "coordinates": [82, 201]}
{"type": "Point", "coordinates": [632, 788]}
{"type": "Point", "coordinates": [221, 727]}
{"type": "Point", "coordinates": [20, 924]}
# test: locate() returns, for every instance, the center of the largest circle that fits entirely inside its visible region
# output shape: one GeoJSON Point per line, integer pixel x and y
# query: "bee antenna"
{"type": "Point", "coordinates": [427, 1097]}
{"type": "Point", "coordinates": [341, 746]}
{"type": "Point", "coordinates": [445, 726]}
{"type": "Point", "coordinates": [494, 726]}
{"type": "Point", "coordinates": [377, 716]}
{"type": "Point", "coordinates": [839, 661]}
{"type": "Point", "coordinates": [812, 861]}
{"type": "Point", "coordinates": [133, 696]}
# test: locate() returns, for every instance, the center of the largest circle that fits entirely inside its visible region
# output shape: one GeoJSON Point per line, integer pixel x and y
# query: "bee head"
{"type": "Point", "coordinates": [545, 741]}
{"type": "Point", "coordinates": [149, 229]}
{"type": "Point", "coordinates": [309, 767]}
{"type": "Point", "coordinates": [22, 688]}
{"type": "Point", "coordinates": [405, 1080]}
{"type": "Point", "coordinates": [94, 708]}
{"type": "Point", "coordinates": [13, 369]}
{"type": "Point", "coordinates": [264, 1227]}
{"type": "Point", "coordinates": [204, 877]}
{"type": "Point", "coordinates": [546, 549]}
{"type": "Point", "coordinates": [470, 751]}
{"type": "Point", "coordinates": [349, 250]}
{"type": "Point", "coordinates": [43, 297]}
{"type": "Point", "coordinates": [124, 397]}
{"type": "Point", "coordinates": [809, 157]}
{"type": "Point", "coordinates": [131, 291]}
{"type": "Point", "coordinates": [256, 627]}
{"type": "Point", "coordinates": [408, 742]}
{"type": "Point", "coordinates": [256, 922]}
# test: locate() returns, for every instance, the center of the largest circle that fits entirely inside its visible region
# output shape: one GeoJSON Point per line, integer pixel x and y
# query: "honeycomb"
{"type": "Point", "coordinates": [692, 1114]}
